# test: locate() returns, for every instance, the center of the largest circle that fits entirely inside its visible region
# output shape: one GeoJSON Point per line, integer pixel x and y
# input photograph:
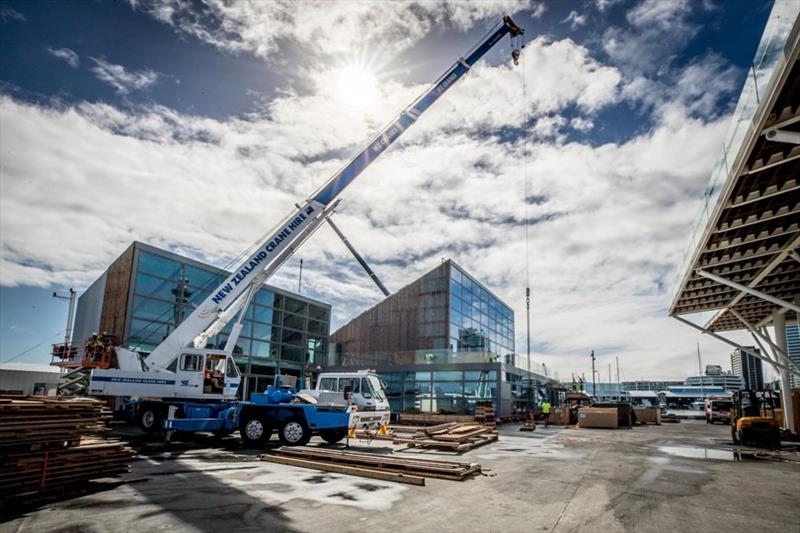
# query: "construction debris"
{"type": "Point", "coordinates": [386, 467]}
{"type": "Point", "coordinates": [49, 445]}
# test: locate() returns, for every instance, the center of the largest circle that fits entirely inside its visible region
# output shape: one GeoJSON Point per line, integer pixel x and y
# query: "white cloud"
{"type": "Point", "coordinates": [124, 81]}
{"type": "Point", "coordinates": [657, 30]}
{"type": "Point", "coordinates": [66, 55]}
{"type": "Point", "coordinates": [581, 124]}
{"type": "Point", "coordinates": [574, 20]}
{"type": "Point", "coordinates": [9, 13]}
{"type": "Point", "coordinates": [608, 227]}
{"type": "Point", "coordinates": [602, 5]}
{"type": "Point", "coordinates": [327, 27]}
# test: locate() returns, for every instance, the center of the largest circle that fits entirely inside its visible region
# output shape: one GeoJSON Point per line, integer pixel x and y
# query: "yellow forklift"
{"type": "Point", "coordinates": [753, 421]}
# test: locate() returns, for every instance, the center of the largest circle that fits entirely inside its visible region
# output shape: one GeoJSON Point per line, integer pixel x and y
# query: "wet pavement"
{"type": "Point", "coordinates": [670, 478]}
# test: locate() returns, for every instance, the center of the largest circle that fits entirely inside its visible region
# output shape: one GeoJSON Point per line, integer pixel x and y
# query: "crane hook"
{"type": "Point", "coordinates": [515, 55]}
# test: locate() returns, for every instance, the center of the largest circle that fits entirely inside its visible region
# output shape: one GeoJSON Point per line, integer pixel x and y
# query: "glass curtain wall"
{"type": "Point", "coordinates": [479, 322]}
{"type": "Point", "coordinates": [276, 327]}
{"type": "Point", "coordinates": [447, 391]}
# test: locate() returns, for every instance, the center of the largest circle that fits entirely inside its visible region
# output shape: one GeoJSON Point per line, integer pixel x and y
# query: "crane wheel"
{"type": "Point", "coordinates": [151, 420]}
{"type": "Point", "coordinates": [294, 432]}
{"type": "Point", "coordinates": [332, 436]}
{"type": "Point", "coordinates": [254, 430]}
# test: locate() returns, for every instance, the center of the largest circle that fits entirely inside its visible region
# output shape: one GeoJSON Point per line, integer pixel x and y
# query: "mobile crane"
{"type": "Point", "coordinates": [195, 387]}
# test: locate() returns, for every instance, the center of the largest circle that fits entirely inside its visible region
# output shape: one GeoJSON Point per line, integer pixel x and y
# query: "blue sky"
{"type": "Point", "coordinates": [195, 126]}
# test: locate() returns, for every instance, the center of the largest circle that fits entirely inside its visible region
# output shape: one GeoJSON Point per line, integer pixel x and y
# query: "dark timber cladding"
{"type": "Point", "coordinates": [115, 300]}
{"type": "Point", "coordinates": [752, 237]}
{"type": "Point", "coordinates": [413, 318]}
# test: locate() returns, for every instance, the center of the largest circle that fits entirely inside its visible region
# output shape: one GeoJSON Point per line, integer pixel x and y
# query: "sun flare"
{"type": "Point", "coordinates": [357, 87]}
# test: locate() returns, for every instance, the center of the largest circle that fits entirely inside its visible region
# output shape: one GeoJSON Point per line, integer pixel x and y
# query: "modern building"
{"type": "Point", "coordinates": [441, 343]}
{"type": "Point", "coordinates": [748, 368]}
{"type": "Point", "coordinates": [147, 292]}
{"type": "Point", "coordinates": [727, 380]}
{"type": "Point", "coordinates": [29, 379]}
{"type": "Point", "coordinates": [649, 385]}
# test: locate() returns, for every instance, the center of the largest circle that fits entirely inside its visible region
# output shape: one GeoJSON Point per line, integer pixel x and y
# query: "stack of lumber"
{"type": "Point", "coordinates": [452, 436]}
{"type": "Point", "coordinates": [484, 412]}
{"type": "Point", "coordinates": [385, 467]}
{"type": "Point", "coordinates": [429, 419]}
{"type": "Point", "coordinates": [50, 444]}
{"type": "Point", "coordinates": [42, 422]}
{"type": "Point", "coordinates": [31, 473]}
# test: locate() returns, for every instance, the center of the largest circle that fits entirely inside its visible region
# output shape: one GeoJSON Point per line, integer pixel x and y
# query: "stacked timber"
{"type": "Point", "coordinates": [51, 445]}
{"type": "Point", "coordinates": [430, 419]}
{"type": "Point", "coordinates": [42, 422]}
{"type": "Point", "coordinates": [453, 436]}
{"type": "Point", "coordinates": [375, 466]}
{"type": "Point", "coordinates": [484, 412]}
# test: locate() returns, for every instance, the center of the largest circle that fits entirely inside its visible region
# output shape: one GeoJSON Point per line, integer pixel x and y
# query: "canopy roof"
{"type": "Point", "coordinates": [749, 228]}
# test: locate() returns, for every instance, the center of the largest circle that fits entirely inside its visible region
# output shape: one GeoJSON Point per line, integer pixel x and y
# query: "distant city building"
{"type": "Point", "coordinates": [748, 367]}
{"type": "Point", "coordinates": [726, 380]}
{"type": "Point", "coordinates": [442, 343]}
{"type": "Point", "coordinates": [147, 292]}
{"type": "Point", "coordinates": [649, 385]}
{"type": "Point", "coordinates": [793, 345]}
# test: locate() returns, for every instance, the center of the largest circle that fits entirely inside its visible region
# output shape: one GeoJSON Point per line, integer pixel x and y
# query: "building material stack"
{"type": "Point", "coordinates": [451, 436]}
{"type": "Point", "coordinates": [385, 467]}
{"type": "Point", "coordinates": [52, 445]}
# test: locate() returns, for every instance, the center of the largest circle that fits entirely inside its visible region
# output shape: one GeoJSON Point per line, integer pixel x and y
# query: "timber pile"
{"type": "Point", "coordinates": [41, 422]}
{"type": "Point", "coordinates": [49, 445]}
{"type": "Point", "coordinates": [453, 436]}
{"type": "Point", "coordinates": [27, 474]}
{"type": "Point", "coordinates": [429, 419]}
{"type": "Point", "coordinates": [385, 467]}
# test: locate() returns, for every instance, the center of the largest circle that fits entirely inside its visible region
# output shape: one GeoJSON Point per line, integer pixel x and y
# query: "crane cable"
{"type": "Point", "coordinates": [525, 117]}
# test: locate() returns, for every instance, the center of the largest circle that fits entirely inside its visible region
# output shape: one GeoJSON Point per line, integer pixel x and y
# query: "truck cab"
{"type": "Point", "coordinates": [366, 392]}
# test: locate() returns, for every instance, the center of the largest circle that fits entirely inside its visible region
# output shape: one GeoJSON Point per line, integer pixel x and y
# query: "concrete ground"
{"type": "Point", "coordinates": [669, 478]}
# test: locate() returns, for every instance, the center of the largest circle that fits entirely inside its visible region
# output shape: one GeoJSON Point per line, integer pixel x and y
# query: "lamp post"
{"type": "Point", "coordinates": [594, 381]}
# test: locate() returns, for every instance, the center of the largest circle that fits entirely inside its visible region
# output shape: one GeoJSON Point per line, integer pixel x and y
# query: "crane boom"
{"type": "Point", "coordinates": [269, 250]}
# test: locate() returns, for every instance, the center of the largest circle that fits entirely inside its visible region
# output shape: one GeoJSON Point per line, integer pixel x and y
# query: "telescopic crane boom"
{"type": "Point", "coordinates": [233, 295]}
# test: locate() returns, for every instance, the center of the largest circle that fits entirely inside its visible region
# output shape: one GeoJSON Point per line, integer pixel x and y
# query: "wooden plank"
{"type": "Point", "coordinates": [325, 466]}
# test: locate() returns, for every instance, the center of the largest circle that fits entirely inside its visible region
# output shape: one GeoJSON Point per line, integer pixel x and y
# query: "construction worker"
{"type": "Point", "coordinates": [545, 408]}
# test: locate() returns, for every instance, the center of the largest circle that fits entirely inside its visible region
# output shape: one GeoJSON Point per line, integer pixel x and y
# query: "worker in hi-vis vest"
{"type": "Point", "coordinates": [545, 407]}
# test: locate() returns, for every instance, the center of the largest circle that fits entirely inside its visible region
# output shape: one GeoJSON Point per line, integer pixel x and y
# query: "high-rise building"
{"type": "Point", "coordinates": [748, 367]}
{"type": "Point", "coordinates": [147, 292]}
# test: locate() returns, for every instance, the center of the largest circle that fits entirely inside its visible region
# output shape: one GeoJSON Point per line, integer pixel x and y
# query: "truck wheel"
{"type": "Point", "coordinates": [294, 432]}
{"type": "Point", "coordinates": [332, 436]}
{"type": "Point", "coordinates": [255, 431]}
{"type": "Point", "coordinates": [150, 419]}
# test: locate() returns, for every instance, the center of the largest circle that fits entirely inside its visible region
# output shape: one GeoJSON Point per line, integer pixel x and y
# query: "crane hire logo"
{"type": "Point", "coordinates": [271, 246]}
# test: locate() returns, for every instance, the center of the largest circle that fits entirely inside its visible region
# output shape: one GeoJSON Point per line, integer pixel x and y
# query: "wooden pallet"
{"type": "Point", "coordinates": [387, 467]}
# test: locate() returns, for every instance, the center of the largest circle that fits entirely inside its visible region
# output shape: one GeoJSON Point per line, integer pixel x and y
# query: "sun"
{"type": "Point", "coordinates": [357, 87]}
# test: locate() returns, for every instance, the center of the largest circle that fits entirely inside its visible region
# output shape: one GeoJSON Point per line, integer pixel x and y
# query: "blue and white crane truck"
{"type": "Point", "coordinates": [184, 386]}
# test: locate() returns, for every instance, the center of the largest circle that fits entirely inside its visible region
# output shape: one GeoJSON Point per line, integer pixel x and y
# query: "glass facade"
{"type": "Point", "coordinates": [440, 391]}
{"type": "Point", "coordinates": [479, 322]}
{"type": "Point", "coordinates": [278, 328]}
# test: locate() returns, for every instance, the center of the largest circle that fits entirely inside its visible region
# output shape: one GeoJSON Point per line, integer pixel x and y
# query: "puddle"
{"type": "Point", "coordinates": [693, 452]}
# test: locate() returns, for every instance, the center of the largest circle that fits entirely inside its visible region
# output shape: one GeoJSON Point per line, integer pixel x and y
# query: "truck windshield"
{"type": "Point", "coordinates": [377, 388]}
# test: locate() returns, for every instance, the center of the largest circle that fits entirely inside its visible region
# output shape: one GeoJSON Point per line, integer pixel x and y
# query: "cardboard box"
{"type": "Point", "coordinates": [598, 417]}
{"type": "Point", "coordinates": [648, 415]}
{"type": "Point", "coordinates": [559, 416]}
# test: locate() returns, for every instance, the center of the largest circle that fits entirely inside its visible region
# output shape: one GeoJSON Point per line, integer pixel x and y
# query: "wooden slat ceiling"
{"type": "Point", "coordinates": [755, 231]}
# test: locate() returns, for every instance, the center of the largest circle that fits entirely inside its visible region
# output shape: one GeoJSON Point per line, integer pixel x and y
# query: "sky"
{"type": "Point", "coordinates": [196, 126]}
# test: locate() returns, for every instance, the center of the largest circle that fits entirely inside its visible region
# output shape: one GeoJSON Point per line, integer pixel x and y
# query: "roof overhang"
{"type": "Point", "coordinates": [743, 263]}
